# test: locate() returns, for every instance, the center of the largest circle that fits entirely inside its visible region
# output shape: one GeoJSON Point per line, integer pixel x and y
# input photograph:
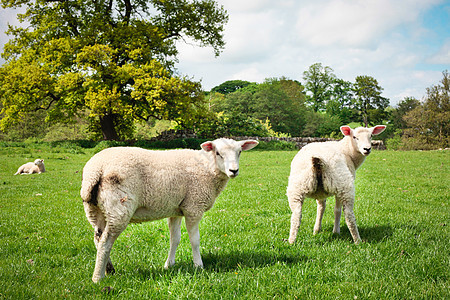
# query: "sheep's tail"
{"type": "Point", "coordinates": [318, 171]}
{"type": "Point", "coordinates": [89, 187]}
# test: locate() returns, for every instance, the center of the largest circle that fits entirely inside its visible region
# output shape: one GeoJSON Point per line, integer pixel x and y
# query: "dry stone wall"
{"type": "Point", "coordinates": [299, 141]}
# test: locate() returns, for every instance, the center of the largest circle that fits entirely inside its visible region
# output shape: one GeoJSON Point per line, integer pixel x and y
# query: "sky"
{"type": "Point", "coordinates": [403, 44]}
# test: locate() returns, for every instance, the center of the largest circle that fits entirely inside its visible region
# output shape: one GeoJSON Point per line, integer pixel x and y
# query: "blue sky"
{"type": "Point", "coordinates": [404, 44]}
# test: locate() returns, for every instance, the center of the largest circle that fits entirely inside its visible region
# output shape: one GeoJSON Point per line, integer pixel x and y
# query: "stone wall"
{"type": "Point", "coordinates": [303, 141]}
{"type": "Point", "coordinates": [299, 141]}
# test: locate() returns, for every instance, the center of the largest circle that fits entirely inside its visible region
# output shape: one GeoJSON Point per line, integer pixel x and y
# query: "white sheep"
{"type": "Point", "coordinates": [320, 170]}
{"type": "Point", "coordinates": [128, 184]}
{"type": "Point", "coordinates": [32, 167]}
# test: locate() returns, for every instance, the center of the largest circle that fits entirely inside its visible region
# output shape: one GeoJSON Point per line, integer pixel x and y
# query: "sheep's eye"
{"type": "Point", "coordinates": [218, 154]}
{"type": "Point", "coordinates": [355, 137]}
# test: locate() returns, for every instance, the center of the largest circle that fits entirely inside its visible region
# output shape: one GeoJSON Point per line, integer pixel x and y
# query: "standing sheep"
{"type": "Point", "coordinates": [127, 184]}
{"type": "Point", "coordinates": [32, 167]}
{"type": "Point", "coordinates": [320, 170]}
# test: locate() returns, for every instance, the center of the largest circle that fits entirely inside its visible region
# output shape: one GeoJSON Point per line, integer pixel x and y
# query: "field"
{"type": "Point", "coordinates": [402, 210]}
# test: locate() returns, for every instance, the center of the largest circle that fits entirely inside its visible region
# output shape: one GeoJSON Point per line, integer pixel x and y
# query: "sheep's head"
{"type": "Point", "coordinates": [39, 162]}
{"type": "Point", "coordinates": [362, 137]}
{"type": "Point", "coordinates": [227, 153]}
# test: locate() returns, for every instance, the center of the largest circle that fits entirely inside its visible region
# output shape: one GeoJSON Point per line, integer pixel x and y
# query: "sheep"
{"type": "Point", "coordinates": [128, 184]}
{"type": "Point", "coordinates": [320, 170]}
{"type": "Point", "coordinates": [32, 167]}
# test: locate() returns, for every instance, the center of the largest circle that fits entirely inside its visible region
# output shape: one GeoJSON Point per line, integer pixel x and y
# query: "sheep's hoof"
{"type": "Point", "coordinates": [110, 268]}
{"type": "Point", "coordinates": [168, 264]}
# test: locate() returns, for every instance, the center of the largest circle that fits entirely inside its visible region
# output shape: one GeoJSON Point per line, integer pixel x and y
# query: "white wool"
{"type": "Point", "coordinates": [128, 184]}
{"type": "Point", "coordinates": [32, 167]}
{"type": "Point", "coordinates": [321, 170]}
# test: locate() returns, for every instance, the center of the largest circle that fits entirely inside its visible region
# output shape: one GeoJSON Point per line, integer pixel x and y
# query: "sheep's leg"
{"type": "Point", "coordinates": [194, 237]}
{"type": "Point", "coordinates": [337, 217]}
{"type": "Point", "coordinates": [97, 220]}
{"type": "Point", "coordinates": [175, 237]}
{"type": "Point", "coordinates": [97, 236]}
{"type": "Point", "coordinates": [321, 205]}
{"type": "Point", "coordinates": [351, 221]}
{"type": "Point", "coordinates": [296, 217]}
{"type": "Point", "coordinates": [103, 251]}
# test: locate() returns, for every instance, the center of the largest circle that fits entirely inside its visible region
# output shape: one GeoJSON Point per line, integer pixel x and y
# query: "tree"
{"type": "Point", "coordinates": [112, 58]}
{"type": "Point", "coordinates": [320, 124]}
{"type": "Point", "coordinates": [281, 101]}
{"type": "Point", "coordinates": [230, 86]}
{"type": "Point", "coordinates": [318, 83]}
{"type": "Point", "coordinates": [341, 101]}
{"type": "Point", "coordinates": [403, 107]}
{"type": "Point", "coordinates": [369, 101]}
{"type": "Point", "coordinates": [428, 124]}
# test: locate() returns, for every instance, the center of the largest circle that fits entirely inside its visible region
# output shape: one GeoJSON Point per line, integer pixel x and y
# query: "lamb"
{"type": "Point", "coordinates": [320, 170]}
{"type": "Point", "coordinates": [32, 167]}
{"type": "Point", "coordinates": [128, 184]}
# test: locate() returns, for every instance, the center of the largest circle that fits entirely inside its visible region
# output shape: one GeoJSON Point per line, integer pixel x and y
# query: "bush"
{"type": "Point", "coordinates": [276, 145]}
{"type": "Point", "coordinates": [321, 125]}
{"type": "Point", "coordinates": [395, 143]}
{"type": "Point", "coordinates": [108, 144]}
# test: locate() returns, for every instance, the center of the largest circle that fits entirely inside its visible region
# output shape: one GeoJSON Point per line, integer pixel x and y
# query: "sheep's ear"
{"type": "Point", "coordinates": [378, 129]}
{"type": "Point", "coordinates": [207, 146]}
{"type": "Point", "coordinates": [346, 130]}
{"type": "Point", "coordinates": [248, 144]}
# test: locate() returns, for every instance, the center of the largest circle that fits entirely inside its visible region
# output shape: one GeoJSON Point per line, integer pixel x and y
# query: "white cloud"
{"type": "Point", "coordinates": [354, 23]}
{"type": "Point", "coordinates": [382, 38]}
{"type": "Point", "coordinates": [442, 56]}
{"type": "Point", "coordinates": [265, 38]}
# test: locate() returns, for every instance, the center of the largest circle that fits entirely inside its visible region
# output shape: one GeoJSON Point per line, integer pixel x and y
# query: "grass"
{"type": "Point", "coordinates": [402, 210]}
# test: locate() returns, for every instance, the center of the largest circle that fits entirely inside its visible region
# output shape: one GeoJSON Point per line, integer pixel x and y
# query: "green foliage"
{"type": "Point", "coordinates": [428, 125]}
{"type": "Point", "coordinates": [403, 107]}
{"type": "Point", "coordinates": [276, 145]}
{"type": "Point", "coordinates": [222, 124]}
{"type": "Point", "coordinates": [321, 125]}
{"type": "Point", "coordinates": [47, 249]}
{"type": "Point", "coordinates": [342, 102]}
{"type": "Point", "coordinates": [73, 59]}
{"type": "Point", "coordinates": [151, 128]}
{"type": "Point", "coordinates": [230, 86]}
{"type": "Point", "coordinates": [369, 101]}
{"type": "Point", "coordinates": [281, 101]}
{"type": "Point", "coordinates": [319, 83]}
{"type": "Point", "coordinates": [395, 142]}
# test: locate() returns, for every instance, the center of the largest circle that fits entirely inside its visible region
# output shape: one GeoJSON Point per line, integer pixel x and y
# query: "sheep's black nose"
{"type": "Point", "coordinates": [234, 172]}
{"type": "Point", "coordinates": [368, 149]}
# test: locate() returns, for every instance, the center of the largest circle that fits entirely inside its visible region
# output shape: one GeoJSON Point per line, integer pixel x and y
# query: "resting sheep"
{"type": "Point", "coordinates": [320, 170]}
{"type": "Point", "coordinates": [127, 184]}
{"type": "Point", "coordinates": [32, 167]}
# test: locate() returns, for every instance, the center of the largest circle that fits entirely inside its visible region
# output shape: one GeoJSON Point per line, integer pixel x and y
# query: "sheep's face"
{"type": "Point", "coordinates": [362, 137]}
{"type": "Point", "coordinates": [227, 152]}
{"type": "Point", "coordinates": [39, 162]}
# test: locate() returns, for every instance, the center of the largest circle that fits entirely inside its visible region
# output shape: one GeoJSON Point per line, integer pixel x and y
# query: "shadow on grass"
{"type": "Point", "coordinates": [248, 259]}
{"type": "Point", "coordinates": [372, 234]}
{"type": "Point", "coordinates": [222, 262]}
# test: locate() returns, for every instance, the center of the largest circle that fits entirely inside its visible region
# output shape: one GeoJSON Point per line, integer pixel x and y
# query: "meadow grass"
{"type": "Point", "coordinates": [401, 207]}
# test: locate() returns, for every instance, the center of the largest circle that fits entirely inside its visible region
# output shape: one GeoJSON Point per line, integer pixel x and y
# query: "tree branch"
{"type": "Point", "coordinates": [54, 99]}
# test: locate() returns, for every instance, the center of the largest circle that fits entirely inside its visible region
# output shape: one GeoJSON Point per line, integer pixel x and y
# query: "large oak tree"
{"type": "Point", "coordinates": [114, 59]}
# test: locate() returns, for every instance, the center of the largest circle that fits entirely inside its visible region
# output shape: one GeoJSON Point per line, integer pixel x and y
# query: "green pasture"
{"type": "Point", "coordinates": [402, 210]}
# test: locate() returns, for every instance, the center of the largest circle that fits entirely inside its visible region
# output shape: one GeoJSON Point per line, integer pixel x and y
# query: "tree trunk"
{"type": "Point", "coordinates": [107, 123]}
